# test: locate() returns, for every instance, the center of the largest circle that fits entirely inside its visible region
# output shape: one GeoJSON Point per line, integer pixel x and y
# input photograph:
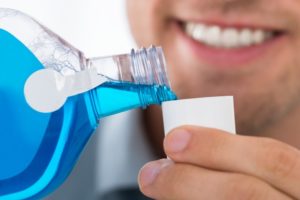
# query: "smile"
{"type": "Point", "coordinates": [229, 45]}
{"type": "Point", "coordinates": [229, 37]}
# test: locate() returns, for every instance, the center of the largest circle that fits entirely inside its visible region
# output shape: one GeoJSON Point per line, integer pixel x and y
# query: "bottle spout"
{"type": "Point", "coordinates": [145, 66]}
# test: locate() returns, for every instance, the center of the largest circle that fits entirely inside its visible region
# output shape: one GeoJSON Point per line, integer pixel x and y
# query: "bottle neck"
{"type": "Point", "coordinates": [149, 66]}
{"type": "Point", "coordinates": [143, 66]}
{"type": "Point", "coordinates": [138, 79]}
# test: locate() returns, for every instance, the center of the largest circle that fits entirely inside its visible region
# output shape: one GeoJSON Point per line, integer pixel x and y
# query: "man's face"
{"type": "Point", "coordinates": [249, 49]}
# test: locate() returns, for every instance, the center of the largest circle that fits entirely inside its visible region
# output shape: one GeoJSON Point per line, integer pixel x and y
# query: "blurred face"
{"type": "Point", "coordinates": [249, 49]}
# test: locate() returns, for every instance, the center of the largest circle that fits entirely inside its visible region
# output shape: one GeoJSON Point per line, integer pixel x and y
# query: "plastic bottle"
{"type": "Point", "coordinates": [38, 148]}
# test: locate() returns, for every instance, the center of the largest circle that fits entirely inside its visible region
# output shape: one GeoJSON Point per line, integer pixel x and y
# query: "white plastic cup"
{"type": "Point", "coordinates": [211, 112]}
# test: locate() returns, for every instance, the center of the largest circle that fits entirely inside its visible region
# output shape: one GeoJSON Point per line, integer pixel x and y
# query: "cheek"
{"type": "Point", "coordinates": [183, 73]}
{"type": "Point", "coordinates": [147, 20]}
{"type": "Point", "coordinates": [283, 70]}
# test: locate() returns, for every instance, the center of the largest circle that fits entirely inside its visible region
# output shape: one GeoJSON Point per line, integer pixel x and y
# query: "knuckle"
{"type": "Point", "coordinates": [278, 159]}
{"type": "Point", "coordinates": [246, 189]}
{"type": "Point", "coordinates": [214, 147]}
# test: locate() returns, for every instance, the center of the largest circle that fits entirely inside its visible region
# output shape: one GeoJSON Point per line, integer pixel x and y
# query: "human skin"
{"type": "Point", "coordinates": [263, 161]}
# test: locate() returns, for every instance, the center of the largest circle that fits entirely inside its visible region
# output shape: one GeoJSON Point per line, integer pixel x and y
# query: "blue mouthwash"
{"type": "Point", "coordinates": [38, 150]}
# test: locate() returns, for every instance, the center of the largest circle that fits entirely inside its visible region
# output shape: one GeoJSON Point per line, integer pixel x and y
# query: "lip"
{"type": "Point", "coordinates": [229, 58]}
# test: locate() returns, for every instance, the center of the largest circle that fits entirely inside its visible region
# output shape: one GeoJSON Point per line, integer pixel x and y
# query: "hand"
{"type": "Point", "coordinates": [212, 164]}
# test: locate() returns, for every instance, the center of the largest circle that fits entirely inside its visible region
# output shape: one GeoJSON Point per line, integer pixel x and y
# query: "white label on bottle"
{"type": "Point", "coordinates": [47, 90]}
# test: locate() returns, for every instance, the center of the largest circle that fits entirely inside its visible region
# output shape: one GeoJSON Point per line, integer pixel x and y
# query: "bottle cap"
{"type": "Point", "coordinates": [211, 112]}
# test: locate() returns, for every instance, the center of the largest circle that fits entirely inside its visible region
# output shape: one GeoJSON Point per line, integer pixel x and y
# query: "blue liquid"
{"type": "Point", "coordinates": [114, 97]}
{"type": "Point", "coordinates": [37, 150]}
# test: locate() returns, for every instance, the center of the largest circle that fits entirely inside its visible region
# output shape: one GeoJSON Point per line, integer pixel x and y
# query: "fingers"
{"type": "Point", "coordinates": [165, 180]}
{"type": "Point", "coordinates": [269, 160]}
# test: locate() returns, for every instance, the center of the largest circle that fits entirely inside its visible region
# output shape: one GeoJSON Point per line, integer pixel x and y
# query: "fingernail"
{"type": "Point", "coordinates": [178, 141]}
{"type": "Point", "coordinates": [151, 170]}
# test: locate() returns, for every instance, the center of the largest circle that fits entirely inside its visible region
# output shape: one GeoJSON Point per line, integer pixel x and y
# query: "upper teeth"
{"type": "Point", "coordinates": [228, 37]}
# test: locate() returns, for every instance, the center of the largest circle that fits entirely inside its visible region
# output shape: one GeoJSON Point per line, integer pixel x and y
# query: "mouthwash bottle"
{"type": "Point", "coordinates": [52, 97]}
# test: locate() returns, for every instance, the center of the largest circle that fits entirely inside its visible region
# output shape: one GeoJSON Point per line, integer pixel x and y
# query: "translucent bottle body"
{"type": "Point", "coordinates": [38, 150]}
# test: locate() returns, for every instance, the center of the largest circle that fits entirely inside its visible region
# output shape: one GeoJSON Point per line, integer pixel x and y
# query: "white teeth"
{"type": "Point", "coordinates": [230, 38]}
{"type": "Point", "coordinates": [258, 36]}
{"type": "Point", "coordinates": [212, 35]}
{"type": "Point", "coordinates": [246, 37]}
{"type": "Point", "coordinates": [198, 31]}
{"type": "Point", "coordinates": [226, 38]}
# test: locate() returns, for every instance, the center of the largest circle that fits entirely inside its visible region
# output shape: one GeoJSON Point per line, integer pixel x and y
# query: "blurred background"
{"type": "Point", "coordinates": [97, 28]}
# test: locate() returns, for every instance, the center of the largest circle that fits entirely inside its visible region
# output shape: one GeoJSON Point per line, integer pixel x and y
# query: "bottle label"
{"type": "Point", "coordinates": [47, 90]}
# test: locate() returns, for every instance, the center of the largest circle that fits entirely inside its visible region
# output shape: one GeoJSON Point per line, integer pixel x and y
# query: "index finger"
{"type": "Point", "coordinates": [270, 160]}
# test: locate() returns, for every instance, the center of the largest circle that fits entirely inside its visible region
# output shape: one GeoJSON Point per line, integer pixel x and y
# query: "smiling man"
{"type": "Point", "coordinates": [248, 49]}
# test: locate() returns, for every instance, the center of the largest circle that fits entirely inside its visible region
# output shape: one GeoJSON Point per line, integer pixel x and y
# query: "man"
{"type": "Point", "coordinates": [248, 49]}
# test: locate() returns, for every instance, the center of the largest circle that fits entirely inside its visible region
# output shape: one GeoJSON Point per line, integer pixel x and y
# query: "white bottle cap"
{"type": "Point", "coordinates": [211, 112]}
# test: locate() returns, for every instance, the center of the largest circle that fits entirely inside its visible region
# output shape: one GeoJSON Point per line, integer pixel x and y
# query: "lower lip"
{"type": "Point", "coordinates": [229, 58]}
